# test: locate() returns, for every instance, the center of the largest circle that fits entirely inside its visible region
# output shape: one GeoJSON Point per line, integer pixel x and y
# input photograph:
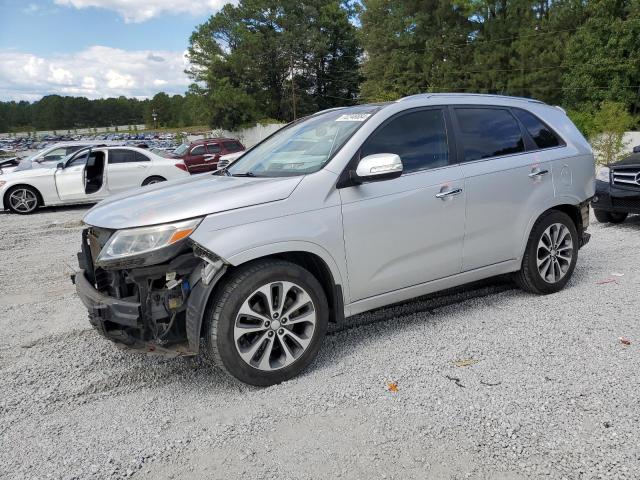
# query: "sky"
{"type": "Point", "coordinates": [96, 48]}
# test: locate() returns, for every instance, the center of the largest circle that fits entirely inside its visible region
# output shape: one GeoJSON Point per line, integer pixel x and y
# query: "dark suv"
{"type": "Point", "coordinates": [618, 190]}
{"type": "Point", "coordinates": [203, 155]}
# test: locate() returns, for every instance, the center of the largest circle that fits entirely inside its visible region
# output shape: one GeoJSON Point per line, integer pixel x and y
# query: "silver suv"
{"type": "Point", "coordinates": [340, 212]}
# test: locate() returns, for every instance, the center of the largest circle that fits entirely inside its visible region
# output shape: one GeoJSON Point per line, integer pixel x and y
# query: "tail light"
{"type": "Point", "coordinates": [182, 166]}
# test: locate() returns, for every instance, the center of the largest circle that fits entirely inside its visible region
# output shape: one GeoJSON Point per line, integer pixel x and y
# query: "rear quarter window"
{"type": "Point", "coordinates": [541, 133]}
{"type": "Point", "coordinates": [141, 157]}
{"type": "Point", "coordinates": [232, 146]}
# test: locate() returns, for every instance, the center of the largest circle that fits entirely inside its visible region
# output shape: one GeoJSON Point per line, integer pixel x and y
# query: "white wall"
{"type": "Point", "coordinates": [248, 136]}
{"type": "Point", "coordinates": [631, 139]}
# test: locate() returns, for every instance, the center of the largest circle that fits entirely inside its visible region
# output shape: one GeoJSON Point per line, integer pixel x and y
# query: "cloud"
{"type": "Point", "coordinates": [31, 9]}
{"type": "Point", "coordinates": [96, 72]}
{"type": "Point", "coordinates": [135, 11]}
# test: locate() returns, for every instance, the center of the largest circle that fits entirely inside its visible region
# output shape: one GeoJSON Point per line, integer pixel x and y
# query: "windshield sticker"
{"type": "Point", "coordinates": [353, 117]}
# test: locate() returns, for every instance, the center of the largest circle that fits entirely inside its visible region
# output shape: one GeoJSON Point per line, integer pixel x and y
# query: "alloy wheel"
{"type": "Point", "coordinates": [23, 200]}
{"type": "Point", "coordinates": [555, 252]}
{"type": "Point", "coordinates": [274, 325]}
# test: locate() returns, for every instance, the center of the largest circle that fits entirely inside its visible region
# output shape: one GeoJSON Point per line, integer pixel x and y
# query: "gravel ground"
{"type": "Point", "coordinates": [491, 383]}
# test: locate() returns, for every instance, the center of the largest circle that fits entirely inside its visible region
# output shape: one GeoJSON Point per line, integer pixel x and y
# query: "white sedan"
{"type": "Point", "coordinates": [86, 176]}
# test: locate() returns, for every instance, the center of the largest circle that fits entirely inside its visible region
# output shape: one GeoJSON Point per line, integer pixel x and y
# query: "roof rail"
{"type": "Point", "coordinates": [481, 95]}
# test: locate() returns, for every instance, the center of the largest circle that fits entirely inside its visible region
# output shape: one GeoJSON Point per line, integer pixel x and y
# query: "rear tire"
{"type": "Point", "coordinates": [550, 256]}
{"type": "Point", "coordinates": [152, 180]}
{"type": "Point", "coordinates": [23, 199]}
{"type": "Point", "coordinates": [610, 217]}
{"type": "Point", "coordinates": [264, 340]}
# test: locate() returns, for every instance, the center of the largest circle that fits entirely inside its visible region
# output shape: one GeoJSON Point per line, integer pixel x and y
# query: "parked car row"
{"type": "Point", "coordinates": [87, 174]}
{"type": "Point", "coordinates": [55, 176]}
{"type": "Point", "coordinates": [203, 155]}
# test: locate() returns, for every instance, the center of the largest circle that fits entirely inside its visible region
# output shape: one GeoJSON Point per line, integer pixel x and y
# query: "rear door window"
{"type": "Point", "coordinates": [213, 148]}
{"type": "Point", "coordinates": [419, 138]}
{"type": "Point", "coordinates": [121, 156]}
{"type": "Point", "coordinates": [488, 132]}
{"type": "Point", "coordinates": [542, 135]}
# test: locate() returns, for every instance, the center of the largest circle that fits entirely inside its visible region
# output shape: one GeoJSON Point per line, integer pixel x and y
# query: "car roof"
{"type": "Point", "coordinates": [215, 139]}
{"type": "Point", "coordinates": [87, 143]}
{"type": "Point", "coordinates": [474, 97]}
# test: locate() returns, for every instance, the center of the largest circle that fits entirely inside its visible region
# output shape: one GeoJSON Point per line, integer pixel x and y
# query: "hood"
{"type": "Point", "coordinates": [628, 161]}
{"type": "Point", "coordinates": [188, 198]}
{"type": "Point", "coordinates": [29, 173]}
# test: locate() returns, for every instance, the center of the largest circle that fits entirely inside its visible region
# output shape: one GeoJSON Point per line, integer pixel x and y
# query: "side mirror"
{"type": "Point", "coordinates": [60, 166]}
{"type": "Point", "coordinates": [377, 167]}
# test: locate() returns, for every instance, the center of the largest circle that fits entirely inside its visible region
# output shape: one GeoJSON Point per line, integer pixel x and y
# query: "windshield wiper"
{"type": "Point", "coordinates": [245, 174]}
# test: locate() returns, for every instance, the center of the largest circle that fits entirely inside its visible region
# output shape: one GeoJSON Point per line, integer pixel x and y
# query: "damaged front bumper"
{"type": "Point", "coordinates": [152, 308]}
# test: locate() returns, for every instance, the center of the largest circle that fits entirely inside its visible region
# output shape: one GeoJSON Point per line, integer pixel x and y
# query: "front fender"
{"type": "Point", "coordinates": [317, 231]}
{"type": "Point", "coordinates": [289, 246]}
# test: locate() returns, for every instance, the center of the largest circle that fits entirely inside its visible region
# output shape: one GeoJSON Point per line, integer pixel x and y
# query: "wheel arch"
{"type": "Point", "coordinates": [311, 261]}
{"type": "Point", "coordinates": [152, 177]}
{"type": "Point", "coordinates": [571, 209]}
{"type": "Point", "coordinates": [5, 197]}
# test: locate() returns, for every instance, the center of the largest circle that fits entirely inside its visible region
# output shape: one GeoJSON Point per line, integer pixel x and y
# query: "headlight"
{"type": "Point", "coordinates": [602, 174]}
{"type": "Point", "coordinates": [136, 241]}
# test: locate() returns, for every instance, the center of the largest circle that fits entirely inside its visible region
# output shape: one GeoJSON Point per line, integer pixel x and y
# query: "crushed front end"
{"type": "Point", "coordinates": [153, 301]}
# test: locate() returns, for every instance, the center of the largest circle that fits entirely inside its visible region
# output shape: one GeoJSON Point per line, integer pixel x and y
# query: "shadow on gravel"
{"type": "Point", "coordinates": [428, 303]}
{"type": "Point", "coordinates": [55, 209]}
{"type": "Point", "coordinates": [632, 223]}
{"type": "Point", "coordinates": [101, 370]}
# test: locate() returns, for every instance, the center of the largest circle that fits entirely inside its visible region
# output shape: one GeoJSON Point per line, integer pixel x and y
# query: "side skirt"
{"type": "Point", "coordinates": [414, 291]}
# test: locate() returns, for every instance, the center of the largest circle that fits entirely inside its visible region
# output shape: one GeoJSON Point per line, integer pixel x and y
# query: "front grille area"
{"type": "Point", "coordinates": [623, 203]}
{"type": "Point", "coordinates": [93, 239]}
{"type": "Point", "coordinates": [626, 177]}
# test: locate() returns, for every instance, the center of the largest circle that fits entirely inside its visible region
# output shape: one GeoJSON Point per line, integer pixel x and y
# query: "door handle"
{"type": "Point", "coordinates": [449, 193]}
{"type": "Point", "coordinates": [538, 173]}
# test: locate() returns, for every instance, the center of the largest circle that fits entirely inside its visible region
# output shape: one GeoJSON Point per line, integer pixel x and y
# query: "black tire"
{"type": "Point", "coordinates": [610, 217]}
{"type": "Point", "coordinates": [529, 278]}
{"type": "Point", "coordinates": [219, 320]}
{"type": "Point", "coordinates": [31, 192]}
{"type": "Point", "coordinates": [153, 179]}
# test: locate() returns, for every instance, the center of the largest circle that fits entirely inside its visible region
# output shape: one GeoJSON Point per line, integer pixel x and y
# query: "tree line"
{"type": "Point", "coordinates": [282, 59]}
{"type": "Point", "coordinates": [55, 112]}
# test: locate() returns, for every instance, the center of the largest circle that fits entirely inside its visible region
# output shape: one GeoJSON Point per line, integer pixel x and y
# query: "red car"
{"type": "Point", "coordinates": [203, 155]}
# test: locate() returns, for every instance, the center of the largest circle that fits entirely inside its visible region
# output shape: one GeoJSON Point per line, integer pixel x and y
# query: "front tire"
{"type": "Point", "coordinates": [23, 200]}
{"type": "Point", "coordinates": [266, 323]}
{"type": "Point", "coordinates": [550, 256]}
{"type": "Point", "coordinates": [610, 217]}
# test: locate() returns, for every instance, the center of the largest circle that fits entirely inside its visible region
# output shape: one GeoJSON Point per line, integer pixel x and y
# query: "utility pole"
{"type": "Point", "coordinates": [293, 91]}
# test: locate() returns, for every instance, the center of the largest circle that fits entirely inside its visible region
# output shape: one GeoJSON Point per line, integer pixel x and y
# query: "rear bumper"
{"type": "Point", "coordinates": [104, 308]}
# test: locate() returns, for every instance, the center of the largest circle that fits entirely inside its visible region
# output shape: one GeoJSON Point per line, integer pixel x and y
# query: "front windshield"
{"type": "Point", "coordinates": [181, 150]}
{"type": "Point", "coordinates": [30, 163]}
{"type": "Point", "coordinates": [304, 146]}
